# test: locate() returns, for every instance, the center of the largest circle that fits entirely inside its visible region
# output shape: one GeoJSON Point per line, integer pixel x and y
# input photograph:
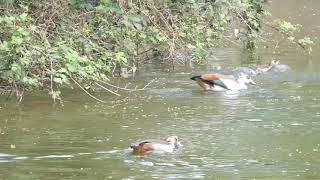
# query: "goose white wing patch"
{"type": "Point", "coordinates": [162, 148]}
{"type": "Point", "coordinates": [233, 85]}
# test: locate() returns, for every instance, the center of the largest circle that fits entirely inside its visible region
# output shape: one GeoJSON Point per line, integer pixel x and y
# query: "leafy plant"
{"type": "Point", "coordinates": [84, 43]}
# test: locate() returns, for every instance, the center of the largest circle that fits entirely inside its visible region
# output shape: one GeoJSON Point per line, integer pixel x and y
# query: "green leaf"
{"type": "Point", "coordinates": [134, 68]}
{"type": "Point", "coordinates": [4, 46]}
{"type": "Point", "coordinates": [120, 57]}
{"type": "Point", "coordinates": [16, 40]}
{"type": "Point", "coordinates": [58, 80]}
{"type": "Point", "coordinates": [71, 67]}
{"type": "Point", "coordinates": [55, 94]}
{"type": "Point", "coordinates": [62, 70]}
{"type": "Point", "coordinates": [190, 46]}
{"type": "Point", "coordinates": [291, 38]}
{"type": "Point", "coordinates": [23, 16]}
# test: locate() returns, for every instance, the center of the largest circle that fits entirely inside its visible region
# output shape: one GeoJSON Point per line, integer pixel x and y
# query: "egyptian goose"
{"type": "Point", "coordinates": [156, 145]}
{"type": "Point", "coordinates": [221, 82]}
{"type": "Point", "coordinates": [267, 67]}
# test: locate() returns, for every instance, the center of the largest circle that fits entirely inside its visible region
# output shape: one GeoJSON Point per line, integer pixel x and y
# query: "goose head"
{"type": "Point", "coordinates": [245, 79]}
{"type": "Point", "coordinates": [174, 141]}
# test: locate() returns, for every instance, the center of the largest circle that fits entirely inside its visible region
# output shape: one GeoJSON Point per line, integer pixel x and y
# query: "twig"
{"type": "Point", "coordinates": [51, 79]}
{"type": "Point", "coordinates": [21, 95]}
{"type": "Point", "coordinates": [125, 88]}
{"type": "Point", "coordinates": [148, 84]}
{"type": "Point", "coordinates": [10, 94]}
{"type": "Point", "coordinates": [113, 70]}
{"type": "Point", "coordinates": [240, 16]}
{"type": "Point", "coordinates": [227, 38]}
{"type": "Point", "coordinates": [86, 91]}
{"type": "Point", "coordinates": [285, 34]}
{"type": "Point", "coordinates": [274, 28]}
{"type": "Point", "coordinates": [164, 20]}
{"type": "Point", "coordinates": [107, 89]}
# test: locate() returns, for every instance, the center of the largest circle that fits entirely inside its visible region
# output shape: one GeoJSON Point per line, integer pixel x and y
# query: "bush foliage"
{"type": "Point", "coordinates": [55, 43]}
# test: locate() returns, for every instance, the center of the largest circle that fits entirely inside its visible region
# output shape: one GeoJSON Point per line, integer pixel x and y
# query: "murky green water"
{"type": "Point", "coordinates": [271, 131]}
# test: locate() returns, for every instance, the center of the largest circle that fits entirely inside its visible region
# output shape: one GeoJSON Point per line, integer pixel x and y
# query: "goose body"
{"type": "Point", "coordinates": [156, 146]}
{"type": "Point", "coordinates": [221, 82]}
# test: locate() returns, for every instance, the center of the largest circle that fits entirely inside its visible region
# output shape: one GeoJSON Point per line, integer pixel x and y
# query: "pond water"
{"type": "Point", "coordinates": [270, 131]}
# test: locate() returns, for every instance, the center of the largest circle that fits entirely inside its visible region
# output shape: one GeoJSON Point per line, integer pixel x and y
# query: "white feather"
{"type": "Point", "coordinates": [233, 85]}
{"type": "Point", "coordinates": [168, 148]}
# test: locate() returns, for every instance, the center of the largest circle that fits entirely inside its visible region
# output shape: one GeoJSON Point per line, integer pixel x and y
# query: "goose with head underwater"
{"type": "Point", "coordinates": [267, 67]}
{"type": "Point", "coordinates": [221, 82]}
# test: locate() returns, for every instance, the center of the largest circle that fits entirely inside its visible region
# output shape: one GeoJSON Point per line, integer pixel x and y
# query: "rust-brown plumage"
{"type": "Point", "coordinates": [142, 148]}
{"type": "Point", "coordinates": [211, 77]}
{"type": "Point", "coordinates": [207, 81]}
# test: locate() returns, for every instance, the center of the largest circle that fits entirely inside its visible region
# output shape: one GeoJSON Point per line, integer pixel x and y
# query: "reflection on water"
{"type": "Point", "coordinates": [270, 131]}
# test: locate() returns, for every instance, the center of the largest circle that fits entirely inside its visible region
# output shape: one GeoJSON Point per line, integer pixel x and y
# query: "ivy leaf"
{"type": "Point", "coordinates": [120, 57]}
{"type": "Point", "coordinates": [71, 67]}
{"type": "Point", "coordinates": [4, 46]}
{"type": "Point", "coordinates": [55, 94]}
{"type": "Point", "coordinates": [58, 80]}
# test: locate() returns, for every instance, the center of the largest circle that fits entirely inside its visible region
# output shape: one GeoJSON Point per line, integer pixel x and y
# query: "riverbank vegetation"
{"type": "Point", "coordinates": [65, 43]}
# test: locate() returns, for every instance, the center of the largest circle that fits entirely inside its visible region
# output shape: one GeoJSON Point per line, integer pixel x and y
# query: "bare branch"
{"type": "Point", "coordinates": [126, 89]}
{"type": "Point", "coordinates": [51, 79]}
{"type": "Point", "coordinates": [285, 34]}
{"type": "Point", "coordinates": [86, 91]}
{"type": "Point", "coordinates": [240, 16]}
{"type": "Point", "coordinates": [107, 89]}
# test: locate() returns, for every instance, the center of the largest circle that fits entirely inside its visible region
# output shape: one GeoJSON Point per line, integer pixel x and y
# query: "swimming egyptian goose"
{"type": "Point", "coordinates": [221, 82]}
{"type": "Point", "coordinates": [156, 145]}
{"type": "Point", "coordinates": [267, 67]}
